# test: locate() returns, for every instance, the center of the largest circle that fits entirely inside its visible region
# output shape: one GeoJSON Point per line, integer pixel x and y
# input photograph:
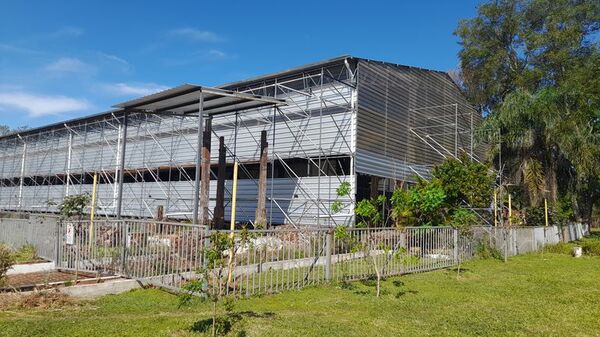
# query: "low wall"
{"type": "Point", "coordinates": [17, 230]}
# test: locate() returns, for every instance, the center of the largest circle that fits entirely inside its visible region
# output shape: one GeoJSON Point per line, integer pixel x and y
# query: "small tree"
{"type": "Point", "coordinates": [462, 221]}
{"type": "Point", "coordinates": [215, 277]}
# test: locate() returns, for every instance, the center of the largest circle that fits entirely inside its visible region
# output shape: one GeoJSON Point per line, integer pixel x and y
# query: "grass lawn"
{"type": "Point", "coordinates": [532, 295]}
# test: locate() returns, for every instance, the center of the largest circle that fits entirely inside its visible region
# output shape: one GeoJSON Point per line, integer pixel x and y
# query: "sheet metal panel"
{"type": "Point", "coordinates": [391, 102]}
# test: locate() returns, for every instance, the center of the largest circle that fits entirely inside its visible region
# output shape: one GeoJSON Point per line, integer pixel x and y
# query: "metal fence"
{"type": "Point", "coordinates": [264, 261]}
{"type": "Point", "coordinates": [37, 230]}
{"type": "Point", "coordinates": [268, 261]}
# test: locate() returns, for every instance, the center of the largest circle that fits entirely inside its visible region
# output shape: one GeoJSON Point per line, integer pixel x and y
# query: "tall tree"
{"type": "Point", "coordinates": [532, 67]}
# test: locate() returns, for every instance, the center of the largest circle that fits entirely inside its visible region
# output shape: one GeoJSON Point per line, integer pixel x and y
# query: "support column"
{"type": "Point", "coordinates": [69, 156]}
{"type": "Point", "coordinates": [261, 210]}
{"type": "Point", "coordinates": [205, 174]}
{"type": "Point", "coordinates": [121, 172]}
{"type": "Point", "coordinates": [198, 160]}
{"type": "Point", "coordinates": [22, 174]}
{"type": "Point", "coordinates": [219, 213]}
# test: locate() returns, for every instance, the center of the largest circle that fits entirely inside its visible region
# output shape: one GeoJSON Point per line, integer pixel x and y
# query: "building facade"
{"type": "Point", "coordinates": [368, 124]}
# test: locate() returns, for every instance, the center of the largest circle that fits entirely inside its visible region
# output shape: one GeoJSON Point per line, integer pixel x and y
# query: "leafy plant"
{"type": "Point", "coordinates": [216, 277]}
{"type": "Point", "coordinates": [464, 182]}
{"type": "Point", "coordinates": [7, 260]}
{"type": "Point", "coordinates": [73, 206]}
{"type": "Point", "coordinates": [343, 190]}
{"type": "Point", "coordinates": [369, 212]}
{"type": "Point", "coordinates": [26, 253]}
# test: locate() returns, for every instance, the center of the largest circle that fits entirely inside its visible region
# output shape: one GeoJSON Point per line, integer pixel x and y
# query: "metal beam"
{"type": "Point", "coordinates": [198, 158]}
{"type": "Point", "coordinates": [122, 166]}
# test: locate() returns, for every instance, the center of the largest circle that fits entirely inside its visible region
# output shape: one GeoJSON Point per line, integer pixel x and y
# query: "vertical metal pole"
{"type": "Point", "coordinates": [509, 210]}
{"type": "Point", "coordinates": [22, 175]}
{"type": "Point", "coordinates": [69, 156]}
{"type": "Point", "coordinates": [93, 210]}
{"type": "Point", "coordinates": [456, 130]}
{"type": "Point", "coordinates": [122, 166]}
{"type": "Point", "coordinates": [495, 208]}
{"type": "Point", "coordinates": [546, 211]}
{"type": "Point", "coordinates": [471, 135]}
{"type": "Point", "coordinates": [318, 204]}
{"type": "Point", "coordinates": [198, 159]}
{"type": "Point", "coordinates": [455, 240]}
{"type": "Point", "coordinates": [272, 167]}
{"type": "Point", "coordinates": [328, 248]}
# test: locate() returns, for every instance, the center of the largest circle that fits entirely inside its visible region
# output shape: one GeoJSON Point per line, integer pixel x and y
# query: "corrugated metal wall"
{"type": "Point", "coordinates": [316, 122]}
{"type": "Point", "coordinates": [394, 99]}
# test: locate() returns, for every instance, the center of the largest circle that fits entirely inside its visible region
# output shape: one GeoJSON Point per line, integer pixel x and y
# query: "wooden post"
{"type": "Point", "coordinates": [219, 213]}
{"type": "Point", "coordinates": [261, 210]}
{"type": "Point", "coordinates": [160, 213]}
{"type": "Point", "coordinates": [205, 173]}
{"type": "Point", "coordinates": [374, 187]}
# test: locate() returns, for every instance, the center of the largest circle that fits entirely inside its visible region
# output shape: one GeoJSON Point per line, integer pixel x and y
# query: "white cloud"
{"type": "Point", "coordinates": [133, 89]}
{"type": "Point", "coordinates": [69, 65]}
{"type": "Point", "coordinates": [68, 31]}
{"type": "Point", "coordinates": [18, 50]}
{"type": "Point", "coordinates": [114, 58]}
{"type": "Point", "coordinates": [41, 105]}
{"type": "Point", "coordinates": [196, 34]}
{"type": "Point", "coordinates": [217, 54]}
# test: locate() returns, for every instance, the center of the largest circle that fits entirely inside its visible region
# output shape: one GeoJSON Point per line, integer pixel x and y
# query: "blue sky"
{"type": "Point", "coordinates": [64, 59]}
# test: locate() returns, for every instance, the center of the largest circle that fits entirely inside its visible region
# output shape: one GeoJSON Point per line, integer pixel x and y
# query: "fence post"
{"type": "Point", "coordinates": [124, 231]}
{"type": "Point", "coordinates": [455, 240]}
{"type": "Point", "coordinates": [57, 243]}
{"type": "Point", "coordinates": [328, 249]}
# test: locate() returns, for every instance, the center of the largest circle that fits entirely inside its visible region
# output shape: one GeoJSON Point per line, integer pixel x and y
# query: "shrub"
{"type": "Point", "coordinates": [590, 246]}
{"type": "Point", "coordinates": [559, 248]}
{"type": "Point", "coordinates": [486, 251]}
{"type": "Point", "coordinates": [7, 259]}
{"type": "Point", "coordinates": [25, 253]}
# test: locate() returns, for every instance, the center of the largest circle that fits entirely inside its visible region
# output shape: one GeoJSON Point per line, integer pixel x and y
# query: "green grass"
{"type": "Point", "coordinates": [532, 295]}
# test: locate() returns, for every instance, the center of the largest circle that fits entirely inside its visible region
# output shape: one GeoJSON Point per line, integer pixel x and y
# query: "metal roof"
{"type": "Point", "coordinates": [185, 99]}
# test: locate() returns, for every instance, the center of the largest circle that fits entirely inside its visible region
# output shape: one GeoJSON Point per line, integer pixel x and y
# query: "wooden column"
{"type": "Point", "coordinates": [261, 210]}
{"type": "Point", "coordinates": [374, 186]}
{"type": "Point", "coordinates": [219, 214]}
{"type": "Point", "coordinates": [205, 173]}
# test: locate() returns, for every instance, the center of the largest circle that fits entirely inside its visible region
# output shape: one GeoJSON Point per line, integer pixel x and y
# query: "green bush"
{"type": "Point", "coordinates": [590, 246]}
{"type": "Point", "coordinates": [559, 248]}
{"type": "Point", "coordinates": [7, 259]}
{"type": "Point", "coordinates": [25, 253]}
{"type": "Point", "coordinates": [486, 251]}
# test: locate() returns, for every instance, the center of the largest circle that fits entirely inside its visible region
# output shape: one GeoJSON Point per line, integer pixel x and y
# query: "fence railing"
{"type": "Point", "coordinates": [268, 261]}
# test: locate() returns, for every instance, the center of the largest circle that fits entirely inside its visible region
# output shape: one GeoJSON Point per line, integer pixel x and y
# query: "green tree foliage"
{"type": "Point", "coordinates": [370, 212]}
{"type": "Point", "coordinates": [73, 206]}
{"type": "Point", "coordinates": [532, 66]}
{"type": "Point", "coordinates": [465, 182]}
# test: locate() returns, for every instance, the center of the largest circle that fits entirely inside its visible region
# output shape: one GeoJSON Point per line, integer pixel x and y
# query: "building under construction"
{"type": "Point", "coordinates": [295, 135]}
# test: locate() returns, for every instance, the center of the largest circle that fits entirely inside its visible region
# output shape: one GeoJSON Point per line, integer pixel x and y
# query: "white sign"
{"type": "Point", "coordinates": [70, 235]}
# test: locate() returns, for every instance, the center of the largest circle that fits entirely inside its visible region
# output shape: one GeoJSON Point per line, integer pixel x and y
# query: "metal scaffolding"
{"type": "Point", "coordinates": [320, 126]}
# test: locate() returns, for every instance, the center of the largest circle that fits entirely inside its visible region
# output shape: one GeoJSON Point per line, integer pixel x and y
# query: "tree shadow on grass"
{"type": "Point", "coordinates": [462, 270]}
{"type": "Point", "coordinates": [225, 323]}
